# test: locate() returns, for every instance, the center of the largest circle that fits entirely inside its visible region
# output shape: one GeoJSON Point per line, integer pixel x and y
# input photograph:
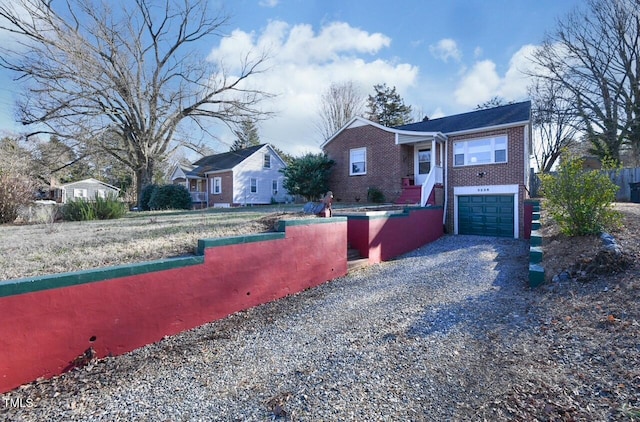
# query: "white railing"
{"type": "Point", "coordinates": [198, 196]}
{"type": "Point", "coordinates": [434, 176]}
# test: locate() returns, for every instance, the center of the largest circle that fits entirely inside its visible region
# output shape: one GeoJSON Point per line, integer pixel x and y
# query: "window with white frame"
{"type": "Point", "coordinates": [357, 161]}
{"type": "Point", "coordinates": [80, 193]}
{"type": "Point", "coordinates": [216, 185]}
{"type": "Point", "coordinates": [253, 185]}
{"type": "Point", "coordinates": [267, 161]}
{"type": "Point", "coordinates": [102, 193]}
{"type": "Point", "coordinates": [274, 187]}
{"type": "Point", "coordinates": [480, 151]}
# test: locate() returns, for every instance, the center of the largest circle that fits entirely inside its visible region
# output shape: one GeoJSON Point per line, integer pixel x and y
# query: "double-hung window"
{"type": "Point", "coordinates": [267, 161]}
{"type": "Point", "coordinates": [480, 151]}
{"type": "Point", "coordinates": [253, 183]}
{"type": "Point", "coordinates": [216, 185]}
{"type": "Point", "coordinates": [274, 187]}
{"type": "Point", "coordinates": [357, 161]}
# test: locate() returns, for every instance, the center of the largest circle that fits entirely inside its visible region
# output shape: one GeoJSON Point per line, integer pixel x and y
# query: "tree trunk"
{"type": "Point", "coordinates": [144, 177]}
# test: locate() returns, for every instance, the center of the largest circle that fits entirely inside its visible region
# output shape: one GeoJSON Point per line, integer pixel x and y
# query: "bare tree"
{"type": "Point", "coordinates": [340, 103]}
{"type": "Point", "coordinates": [127, 80]}
{"type": "Point", "coordinates": [594, 55]}
{"type": "Point", "coordinates": [554, 122]}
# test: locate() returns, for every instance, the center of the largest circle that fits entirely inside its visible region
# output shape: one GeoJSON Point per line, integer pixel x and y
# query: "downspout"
{"type": "Point", "coordinates": [445, 181]}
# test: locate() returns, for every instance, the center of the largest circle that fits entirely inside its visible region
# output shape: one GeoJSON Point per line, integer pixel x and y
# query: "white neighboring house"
{"type": "Point", "coordinates": [86, 189]}
{"type": "Point", "coordinates": [249, 176]}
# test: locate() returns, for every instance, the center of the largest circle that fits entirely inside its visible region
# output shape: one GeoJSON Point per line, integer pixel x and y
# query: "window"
{"type": "Point", "coordinates": [102, 193]}
{"type": "Point", "coordinates": [216, 185]}
{"type": "Point", "coordinates": [357, 161]}
{"type": "Point", "coordinates": [253, 182]}
{"type": "Point", "coordinates": [480, 151]}
{"type": "Point", "coordinates": [80, 193]}
{"type": "Point", "coordinates": [267, 161]}
{"type": "Point", "coordinates": [274, 187]}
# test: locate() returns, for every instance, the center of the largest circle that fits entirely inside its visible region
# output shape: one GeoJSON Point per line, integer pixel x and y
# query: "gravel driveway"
{"type": "Point", "coordinates": [430, 336]}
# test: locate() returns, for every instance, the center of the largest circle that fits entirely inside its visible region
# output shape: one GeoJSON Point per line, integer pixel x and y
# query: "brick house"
{"type": "Point", "coordinates": [474, 164]}
{"type": "Point", "coordinates": [248, 176]}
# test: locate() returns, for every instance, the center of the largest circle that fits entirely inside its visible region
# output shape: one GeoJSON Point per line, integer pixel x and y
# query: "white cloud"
{"type": "Point", "coordinates": [482, 81]}
{"type": "Point", "coordinates": [268, 3]}
{"type": "Point", "coordinates": [302, 64]}
{"type": "Point", "coordinates": [446, 49]}
{"type": "Point", "coordinates": [477, 52]}
{"type": "Point", "coordinates": [478, 85]}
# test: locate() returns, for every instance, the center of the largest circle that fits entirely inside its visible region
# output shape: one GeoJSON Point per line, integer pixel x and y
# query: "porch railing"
{"type": "Point", "coordinates": [198, 196]}
{"type": "Point", "coordinates": [435, 176]}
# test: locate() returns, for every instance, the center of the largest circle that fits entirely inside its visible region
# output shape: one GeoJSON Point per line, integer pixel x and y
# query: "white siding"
{"type": "Point", "coordinates": [253, 167]}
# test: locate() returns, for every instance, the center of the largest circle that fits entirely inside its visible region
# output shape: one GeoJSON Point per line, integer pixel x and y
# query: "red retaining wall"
{"type": "Point", "coordinates": [46, 322]}
{"type": "Point", "coordinates": [381, 236]}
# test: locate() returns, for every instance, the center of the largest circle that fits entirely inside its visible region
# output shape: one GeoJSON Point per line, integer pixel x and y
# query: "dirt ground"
{"type": "Point", "coordinates": [591, 330]}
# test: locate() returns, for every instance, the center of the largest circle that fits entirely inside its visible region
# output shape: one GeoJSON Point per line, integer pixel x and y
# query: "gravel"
{"type": "Point", "coordinates": [436, 334]}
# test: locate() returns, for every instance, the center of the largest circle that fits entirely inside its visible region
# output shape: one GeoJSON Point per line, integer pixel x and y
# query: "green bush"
{"type": "Point", "coordinates": [78, 210]}
{"type": "Point", "coordinates": [145, 197]}
{"type": "Point", "coordinates": [578, 200]}
{"type": "Point", "coordinates": [109, 208]}
{"type": "Point", "coordinates": [170, 197]}
{"type": "Point", "coordinates": [308, 176]}
{"type": "Point", "coordinates": [375, 195]}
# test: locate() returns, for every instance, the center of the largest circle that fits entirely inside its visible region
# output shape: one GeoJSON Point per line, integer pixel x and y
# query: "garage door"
{"type": "Point", "coordinates": [486, 215]}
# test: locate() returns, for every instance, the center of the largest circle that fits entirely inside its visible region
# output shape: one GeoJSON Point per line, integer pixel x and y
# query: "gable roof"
{"type": "Point", "coordinates": [225, 161]}
{"type": "Point", "coordinates": [490, 117]}
{"type": "Point", "coordinates": [89, 180]}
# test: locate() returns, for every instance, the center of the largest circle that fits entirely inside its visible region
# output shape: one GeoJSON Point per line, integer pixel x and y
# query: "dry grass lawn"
{"type": "Point", "coordinates": [38, 249]}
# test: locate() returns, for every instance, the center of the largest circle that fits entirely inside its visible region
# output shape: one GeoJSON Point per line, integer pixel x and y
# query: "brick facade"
{"type": "Point", "coordinates": [386, 164]}
{"type": "Point", "coordinates": [226, 197]}
{"type": "Point", "coordinates": [510, 173]}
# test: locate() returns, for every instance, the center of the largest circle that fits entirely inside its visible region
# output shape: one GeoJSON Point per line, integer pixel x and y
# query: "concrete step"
{"type": "Point", "coordinates": [356, 264]}
{"type": "Point", "coordinates": [353, 254]}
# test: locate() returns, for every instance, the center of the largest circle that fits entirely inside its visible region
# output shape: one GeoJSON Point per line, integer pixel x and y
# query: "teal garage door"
{"type": "Point", "coordinates": [486, 215]}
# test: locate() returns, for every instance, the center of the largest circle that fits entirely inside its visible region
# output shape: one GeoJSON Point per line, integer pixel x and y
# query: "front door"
{"type": "Point", "coordinates": [422, 164]}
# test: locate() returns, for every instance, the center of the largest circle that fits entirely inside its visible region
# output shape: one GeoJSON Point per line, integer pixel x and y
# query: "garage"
{"type": "Point", "coordinates": [486, 215]}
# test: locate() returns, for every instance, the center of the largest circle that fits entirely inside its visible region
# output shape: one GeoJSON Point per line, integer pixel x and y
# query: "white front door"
{"type": "Point", "coordinates": [422, 163]}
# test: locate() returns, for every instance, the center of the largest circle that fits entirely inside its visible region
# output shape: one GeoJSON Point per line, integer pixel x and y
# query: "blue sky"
{"type": "Point", "coordinates": [443, 57]}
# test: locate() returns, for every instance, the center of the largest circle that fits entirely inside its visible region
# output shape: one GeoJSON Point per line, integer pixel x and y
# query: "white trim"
{"type": "Point", "coordinates": [213, 185]}
{"type": "Point", "coordinates": [351, 151]}
{"type": "Point", "coordinates": [492, 152]}
{"type": "Point", "coordinates": [251, 179]}
{"type": "Point", "coordinates": [488, 128]}
{"type": "Point", "coordinates": [488, 190]}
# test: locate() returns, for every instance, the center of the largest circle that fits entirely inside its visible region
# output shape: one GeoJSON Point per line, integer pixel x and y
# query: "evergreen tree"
{"type": "Point", "coordinates": [308, 175]}
{"type": "Point", "coordinates": [247, 135]}
{"type": "Point", "coordinates": [387, 108]}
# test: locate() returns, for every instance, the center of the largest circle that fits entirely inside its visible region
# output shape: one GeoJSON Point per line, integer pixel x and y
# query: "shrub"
{"type": "Point", "coordinates": [170, 197]}
{"type": "Point", "coordinates": [375, 195]}
{"type": "Point", "coordinates": [78, 210]}
{"type": "Point", "coordinates": [308, 176]}
{"type": "Point", "coordinates": [15, 191]}
{"type": "Point", "coordinates": [145, 197]}
{"type": "Point", "coordinates": [578, 200]}
{"type": "Point", "coordinates": [109, 208]}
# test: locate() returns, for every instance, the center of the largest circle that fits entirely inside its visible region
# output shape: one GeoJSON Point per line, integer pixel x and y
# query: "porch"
{"type": "Point", "coordinates": [426, 185]}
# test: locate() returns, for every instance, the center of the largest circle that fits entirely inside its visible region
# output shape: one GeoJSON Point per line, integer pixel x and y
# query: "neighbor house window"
{"type": "Point", "coordinates": [358, 161]}
{"type": "Point", "coordinates": [480, 151]}
{"type": "Point", "coordinates": [267, 161]}
{"type": "Point", "coordinates": [102, 193]}
{"type": "Point", "coordinates": [216, 185]}
{"type": "Point", "coordinates": [253, 183]}
{"type": "Point", "coordinates": [80, 193]}
{"type": "Point", "coordinates": [274, 187]}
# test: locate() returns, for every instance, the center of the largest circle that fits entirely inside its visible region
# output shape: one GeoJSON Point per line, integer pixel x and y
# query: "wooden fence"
{"type": "Point", "coordinates": [621, 178]}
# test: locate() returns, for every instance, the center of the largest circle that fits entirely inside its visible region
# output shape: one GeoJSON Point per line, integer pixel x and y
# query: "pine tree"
{"type": "Point", "coordinates": [387, 107]}
{"type": "Point", "coordinates": [247, 135]}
